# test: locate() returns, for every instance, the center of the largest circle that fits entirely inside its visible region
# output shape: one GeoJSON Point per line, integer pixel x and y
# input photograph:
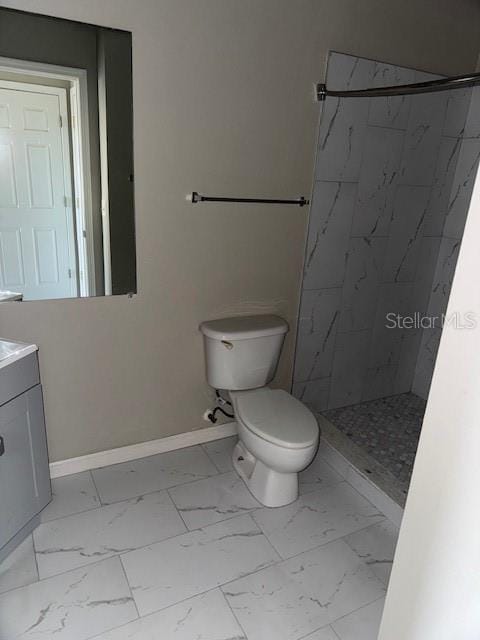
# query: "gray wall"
{"type": "Point", "coordinates": [384, 173]}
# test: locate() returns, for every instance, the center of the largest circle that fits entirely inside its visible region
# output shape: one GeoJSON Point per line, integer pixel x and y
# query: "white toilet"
{"type": "Point", "coordinates": [278, 435]}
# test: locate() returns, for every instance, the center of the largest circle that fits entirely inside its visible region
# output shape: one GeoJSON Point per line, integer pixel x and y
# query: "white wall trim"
{"type": "Point", "coordinates": [141, 450]}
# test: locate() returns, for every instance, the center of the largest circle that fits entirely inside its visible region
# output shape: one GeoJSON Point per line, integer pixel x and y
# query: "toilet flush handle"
{"type": "Point", "coordinates": [227, 344]}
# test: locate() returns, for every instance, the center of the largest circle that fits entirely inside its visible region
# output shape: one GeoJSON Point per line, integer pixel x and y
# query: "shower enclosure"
{"type": "Point", "coordinates": [393, 182]}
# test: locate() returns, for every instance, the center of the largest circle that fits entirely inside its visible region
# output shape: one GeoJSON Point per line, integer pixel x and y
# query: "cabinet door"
{"type": "Point", "coordinates": [24, 474]}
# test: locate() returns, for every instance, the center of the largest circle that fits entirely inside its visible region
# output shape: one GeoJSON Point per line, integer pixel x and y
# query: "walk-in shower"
{"type": "Point", "coordinates": [393, 180]}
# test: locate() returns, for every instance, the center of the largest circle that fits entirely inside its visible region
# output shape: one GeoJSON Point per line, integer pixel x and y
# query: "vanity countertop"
{"type": "Point", "coordinates": [12, 351]}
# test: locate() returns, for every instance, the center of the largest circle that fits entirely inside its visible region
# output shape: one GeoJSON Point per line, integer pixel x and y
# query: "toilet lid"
{"type": "Point", "coordinates": [276, 416]}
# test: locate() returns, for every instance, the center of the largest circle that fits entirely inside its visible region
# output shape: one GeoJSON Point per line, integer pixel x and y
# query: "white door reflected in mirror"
{"type": "Point", "coordinates": [37, 239]}
{"type": "Point", "coordinates": [66, 159]}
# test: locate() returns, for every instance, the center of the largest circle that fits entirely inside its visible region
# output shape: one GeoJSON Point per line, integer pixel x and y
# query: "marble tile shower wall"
{"type": "Point", "coordinates": [392, 185]}
{"type": "Point", "coordinates": [458, 164]}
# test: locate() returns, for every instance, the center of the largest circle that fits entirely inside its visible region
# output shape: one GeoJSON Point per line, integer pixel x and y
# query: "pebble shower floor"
{"type": "Point", "coordinates": [388, 429]}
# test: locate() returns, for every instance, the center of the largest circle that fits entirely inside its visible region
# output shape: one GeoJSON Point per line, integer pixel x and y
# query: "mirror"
{"type": "Point", "coordinates": [66, 159]}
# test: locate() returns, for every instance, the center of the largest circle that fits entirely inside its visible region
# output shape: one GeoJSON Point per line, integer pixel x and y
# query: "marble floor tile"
{"type": "Point", "coordinates": [220, 453]}
{"type": "Point", "coordinates": [168, 572]}
{"type": "Point", "coordinates": [203, 617]}
{"type": "Point", "coordinates": [73, 606]}
{"type": "Point", "coordinates": [212, 500]}
{"type": "Point", "coordinates": [19, 568]}
{"type": "Point", "coordinates": [318, 474]}
{"type": "Point", "coordinates": [316, 518]}
{"type": "Point", "coordinates": [376, 546]}
{"type": "Point", "coordinates": [135, 478]}
{"type": "Point", "coordinates": [71, 494]}
{"type": "Point", "coordinates": [303, 594]}
{"type": "Point", "coordinates": [362, 624]}
{"type": "Point", "coordinates": [87, 537]}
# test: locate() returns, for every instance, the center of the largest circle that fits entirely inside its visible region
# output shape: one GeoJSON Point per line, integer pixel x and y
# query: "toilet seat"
{"type": "Point", "coordinates": [276, 416]}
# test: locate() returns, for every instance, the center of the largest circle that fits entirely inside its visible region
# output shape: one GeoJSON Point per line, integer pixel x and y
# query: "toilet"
{"type": "Point", "coordinates": [278, 435]}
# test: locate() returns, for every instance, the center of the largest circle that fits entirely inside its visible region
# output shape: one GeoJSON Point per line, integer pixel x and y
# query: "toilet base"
{"type": "Point", "coordinates": [271, 488]}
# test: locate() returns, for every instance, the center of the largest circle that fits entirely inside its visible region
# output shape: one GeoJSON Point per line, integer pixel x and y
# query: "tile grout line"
{"type": "Point", "coordinates": [178, 512]}
{"type": "Point", "coordinates": [150, 544]}
{"type": "Point", "coordinates": [147, 493]}
{"type": "Point", "coordinates": [170, 606]}
{"type": "Point", "coordinates": [62, 573]}
{"type": "Point", "coordinates": [325, 626]}
{"type": "Point", "coordinates": [363, 558]}
{"type": "Point", "coordinates": [233, 612]}
{"type": "Point", "coordinates": [209, 457]}
{"type": "Point", "coordinates": [334, 632]}
{"type": "Point", "coordinates": [296, 555]}
{"type": "Point", "coordinates": [95, 486]}
{"type": "Point", "coordinates": [369, 604]}
{"type": "Point", "coordinates": [221, 587]}
{"type": "Point", "coordinates": [75, 512]}
{"type": "Point", "coordinates": [36, 561]}
{"type": "Point", "coordinates": [129, 588]}
{"type": "Point", "coordinates": [324, 544]}
{"type": "Point", "coordinates": [103, 506]}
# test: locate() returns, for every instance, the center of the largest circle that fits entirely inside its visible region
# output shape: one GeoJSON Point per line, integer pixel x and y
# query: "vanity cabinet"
{"type": "Point", "coordinates": [24, 472]}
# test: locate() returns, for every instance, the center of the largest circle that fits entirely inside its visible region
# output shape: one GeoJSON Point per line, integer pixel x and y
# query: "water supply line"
{"type": "Point", "coordinates": [211, 414]}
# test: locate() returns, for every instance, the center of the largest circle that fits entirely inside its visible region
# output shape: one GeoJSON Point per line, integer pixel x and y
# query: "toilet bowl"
{"type": "Point", "coordinates": [278, 435]}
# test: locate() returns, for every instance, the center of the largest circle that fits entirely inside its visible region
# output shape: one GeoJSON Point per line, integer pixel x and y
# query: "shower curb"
{"type": "Point", "coordinates": [359, 470]}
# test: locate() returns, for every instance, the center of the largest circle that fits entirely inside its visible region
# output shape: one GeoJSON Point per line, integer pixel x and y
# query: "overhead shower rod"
{"type": "Point", "coordinates": [444, 84]}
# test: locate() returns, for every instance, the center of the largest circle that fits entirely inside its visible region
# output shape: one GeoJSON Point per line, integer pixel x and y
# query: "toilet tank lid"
{"type": "Point", "coordinates": [244, 327]}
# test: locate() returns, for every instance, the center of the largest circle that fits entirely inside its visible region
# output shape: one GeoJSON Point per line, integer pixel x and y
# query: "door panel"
{"type": "Point", "coordinates": [11, 262]}
{"type": "Point", "coordinates": [39, 176]}
{"type": "Point", "coordinates": [46, 262]}
{"type": "Point", "coordinates": [4, 116]}
{"type": "Point", "coordinates": [8, 195]}
{"type": "Point", "coordinates": [35, 120]}
{"type": "Point", "coordinates": [33, 198]}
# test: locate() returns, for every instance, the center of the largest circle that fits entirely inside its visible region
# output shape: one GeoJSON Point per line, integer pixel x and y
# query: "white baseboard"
{"type": "Point", "coordinates": [141, 450]}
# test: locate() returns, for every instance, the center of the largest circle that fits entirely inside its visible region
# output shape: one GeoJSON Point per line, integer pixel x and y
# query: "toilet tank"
{"type": "Point", "coordinates": [242, 352]}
